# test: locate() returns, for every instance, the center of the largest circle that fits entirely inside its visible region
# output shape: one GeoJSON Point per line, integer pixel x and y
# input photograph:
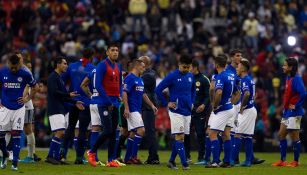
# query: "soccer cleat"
{"type": "Point", "coordinates": [280, 163]}
{"type": "Point", "coordinates": [79, 162]}
{"type": "Point", "coordinates": [52, 160]}
{"type": "Point", "coordinates": [27, 160]}
{"type": "Point", "coordinates": [152, 162]}
{"type": "Point", "coordinates": [137, 161]}
{"type": "Point", "coordinates": [246, 164]}
{"type": "Point", "coordinates": [212, 165]}
{"type": "Point", "coordinates": [189, 160]}
{"type": "Point", "coordinates": [201, 162]}
{"type": "Point", "coordinates": [14, 168]}
{"type": "Point", "coordinates": [99, 163]}
{"type": "Point", "coordinates": [257, 161]}
{"type": "Point", "coordinates": [292, 164]}
{"type": "Point", "coordinates": [36, 158]}
{"type": "Point", "coordinates": [224, 165]}
{"type": "Point", "coordinates": [63, 162]}
{"type": "Point", "coordinates": [172, 165]}
{"type": "Point", "coordinates": [120, 160]}
{"type": "Point", "coordinates": [92, 158]}
{"type": "Point", "coordinates": [113, 164]}
{"type": "Point", "coordinates": [186, 167]}
{"type": "Point", "coordinates": [119, 163]}
{"type": "Point", "coordinates": [4, 161]}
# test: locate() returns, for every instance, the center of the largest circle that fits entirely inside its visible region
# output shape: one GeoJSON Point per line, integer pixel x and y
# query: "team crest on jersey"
{"type": "Point", "coordinates": [190, 79]}
{"type": "Point", "coordinates": [105, 113]}
{"type": "Point", "coordinates": [19, 79]}
{"type": "Point", "coordinates": [197, 83]}
{"type": "Point", "coordinates": [181, 128]}
{"type": "Point", "coordinates": [5, 85]}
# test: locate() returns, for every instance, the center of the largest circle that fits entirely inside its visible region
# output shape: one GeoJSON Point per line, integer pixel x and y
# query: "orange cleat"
{"type": "Point", "coordinates": [280, 163]}
{"type": "Point", "coordinates": [113, 164]}
{"type": "Point", "coordinates": [91, 158]}
{"type": "Point", "coordinates": [293, 164]}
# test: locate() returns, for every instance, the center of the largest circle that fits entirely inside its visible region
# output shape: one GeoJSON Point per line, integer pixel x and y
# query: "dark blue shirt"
{"type": "Point", "coordinates": [181, 89]}
{"type": "Point", "coordinates": [134, 87]}
{"type": "Point", "coordinates": [13, 85]}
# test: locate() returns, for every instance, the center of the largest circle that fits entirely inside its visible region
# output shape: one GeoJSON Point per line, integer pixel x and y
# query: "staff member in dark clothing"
{"type": "Point", "coordinates": [200, 112]}
{"type": "Point", "coordinates": [57, 95]}
{"type": "Point", "coordinates": [149, 79]}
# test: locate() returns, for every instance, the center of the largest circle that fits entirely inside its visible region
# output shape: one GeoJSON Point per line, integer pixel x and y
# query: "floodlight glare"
{"type": "Point", "coordinates": [291, 40]}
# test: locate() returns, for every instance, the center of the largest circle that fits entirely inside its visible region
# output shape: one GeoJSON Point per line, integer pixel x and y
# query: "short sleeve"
{"type": "Point", "coordinates": [29, 79]}
{"type": "Point", "coordinates": [245, 86]}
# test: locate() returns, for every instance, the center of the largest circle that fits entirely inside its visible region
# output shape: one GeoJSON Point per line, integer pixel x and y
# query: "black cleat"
{"type": "Point", "coordinates": [224, 165]}
{"type": "Point", "coordinates": [52, 161]}
{"type": "Point", "coordinates": [257, 161]}
{"type": "Point", "coordinates": [152, 162]}
{"type": "Point", "coordinates": [212, 165]}
{"type": "Point", "coordinates": [172, 165]}
{"type": "Point", "coordinates": [36, 158]}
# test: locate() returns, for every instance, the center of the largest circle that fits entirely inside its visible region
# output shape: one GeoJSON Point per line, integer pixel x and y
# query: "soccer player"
{"type": "Point", "coordinates": [200, 112]}
{"type": "Point", "coordinates": [132, 98]}
{"type": "Point", "coordinates": [57, 96]}
{"type": "Point", "coordinates": [149, 79]}
{"type": "Point", "coordinates": [76, 72]}
{"type": "Point", "coordinates": [222, 112]}
{"type": "Point", "coordinates": [29, 121]}
{"type": "Point", "coordinates": [181, 87]}
{"type": "Point", "coordinates": [247, 114]}
{"type": "Point", "coordinates": [293, 99]}
{"type": "Point", "coordinates": [107, 84]}
{"type": "Point", "coordinates": [12, 111]}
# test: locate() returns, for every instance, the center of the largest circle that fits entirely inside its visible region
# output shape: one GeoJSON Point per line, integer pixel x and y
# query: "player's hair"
{"type": "Point", "coordinates": [293, 63]}
{"type": "Point", "coordinates": [88, 53]}
{"type": "Point", "coordinates": [136, 62]}
{"type": "Point", "coordinates": [14, 59]}
{"type": "Point", "coordinates": [113, 44]}
{"type": "Point", "coordinates": [221, 60]}
{"type": "Point", "coordinates": [245, 63]}
{"type": "Point", "coordinates": [185, 59]}
{"type": "Point", "coordinates": [58, 60]}
{"type": "Point", "coordinates": [234, 52]}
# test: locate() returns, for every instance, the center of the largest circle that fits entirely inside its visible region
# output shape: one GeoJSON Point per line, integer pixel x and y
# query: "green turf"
{"type": "Point", "coordinates": [42, 168]}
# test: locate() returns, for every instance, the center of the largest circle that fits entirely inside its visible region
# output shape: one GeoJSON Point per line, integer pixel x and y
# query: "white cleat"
{"type": "Point", "coordinates": [14, 168]}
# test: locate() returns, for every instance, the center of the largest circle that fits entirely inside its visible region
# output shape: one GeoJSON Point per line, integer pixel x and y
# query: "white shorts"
{"type": "Point", "coordinates": [221, 119]}
{"type": "Point", "coordinates": [134, 121]}
{"type": "Point", "coordinates": [237, 110]}
{"type": "Point", "coordinates": [95, 117]}
{"type": "Point", "coordinates": [88, 128]}
{"type": "Point", "coordinates": [12, 119]}
{"type": "Point", "coordinates": [57, 122]}
{"type": "Point", "coordinates": [179, 123]}
{"type": "Point", "coordinates": [246, 121]}
{"type": "Point", "coordinates": [292, 122]}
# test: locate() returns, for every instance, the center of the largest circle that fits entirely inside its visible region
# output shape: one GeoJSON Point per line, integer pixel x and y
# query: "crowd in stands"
{"type": "Point", "coordinates": [162, 29]}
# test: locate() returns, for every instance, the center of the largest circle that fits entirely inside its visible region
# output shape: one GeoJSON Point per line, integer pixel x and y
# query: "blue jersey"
{"type": "Point", "coordinates": [225, 82]}
{"type": "Point", "coordinates": [13, 85]}
{"type": "Point", "coordinates": [181, 89]}
{"type": "Point", "coordinates": [76, 72]}
{"type": "Point", "coordinates": [134, 87]}
{"type": "Point", "coordinates": [100, 96]}
{"type": "Point", "coordinates": [231, 70]}
{"type": "Point", "coordinates": [247, 84]}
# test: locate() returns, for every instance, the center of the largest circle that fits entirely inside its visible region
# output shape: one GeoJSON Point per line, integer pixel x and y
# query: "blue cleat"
{"type": "Point", "coordinates": [202, 162]}
{"type": "Point", "coordinates": [27, 160]}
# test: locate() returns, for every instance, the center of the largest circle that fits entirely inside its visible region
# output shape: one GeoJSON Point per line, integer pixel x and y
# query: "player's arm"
{"type": "Point", "coordinates": [218, 92]}
{"type": "Point", "coordinates": [85, 87]}
{"type": "Point", "coordinates": [236, 92]}
{"type": "Point", "coordinates": [149, 102]}
{"type": "Point", "coordinates": [165, 83]}
{"type": "Point", "coordinates": [298, 86]}
{"type": "Point", "coordinates": [245, 98]}
{"type": "Point", "coordinates": [100, 72]}
{"type": "Point", "coordinates": [211, 91]}
{"type": "Point", "coordinates": [126, 105]}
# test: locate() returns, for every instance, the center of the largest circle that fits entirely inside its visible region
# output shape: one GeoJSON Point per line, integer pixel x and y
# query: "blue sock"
{"type": "Point", "coordinates": [16, 146]}
{"type": "Point", "coordinates": [174, 152]}
{"type": "Point", "coordinates": [248, 149]}
{"type": "Point", "coordinates": [220, 145]}
{"type": "Point", "coordinates": [236, 149]}
{"type": "Point", "coordinates": [208, 149]}
{"type": "Point", "coordinates": [136, 145]}
{"type": "Point", "coordinates": [232, 138]}
{"type": "Point", "coordinates": [296, 149]}
{"type": "Point", "coordinates": [93, 139]}
{"type": "Point", "coordinates": [227, 151]}
{"type": "Point", "coordinates": [3, 144]}
{"type": "Point", "coordinates": [181, 152]}
{"type": "Point", "coordinates": [116, 143]}
{"type": "Point", "coordinates": [215, 149]}
{"type": "Point", "coordinates": [76, 143]}
{"type": "Point", "coordinates": [283, 149]}
{"type": "Point", "coordinates": [54, 150]}
{"type": "Point", "coordinates": [130, 143]}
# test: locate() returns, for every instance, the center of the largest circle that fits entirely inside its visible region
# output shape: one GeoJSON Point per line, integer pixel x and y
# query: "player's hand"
{"type": "Point", "coordinates": [110, 108]}
{"type": "Point", "coordinates": [126, 113]}
{"type": "Point", "coordinates": [291, 106]}
{"type": "Point", "coordinates": [74, 94]}
{"type": "Point", "coordinates": [155, 109]}
{"type": "Point", "coordinates": [23, 100]}
{"type": "Point", "coordinates": [79, 105]}
{"type": "Point", "coordinates": [172, 105]}
{"type": "Point", "coordinates": [200, 108]}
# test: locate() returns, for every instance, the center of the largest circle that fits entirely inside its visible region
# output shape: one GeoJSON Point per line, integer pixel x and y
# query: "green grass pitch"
{"type": "Point", "coordinates": [42, 168]}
